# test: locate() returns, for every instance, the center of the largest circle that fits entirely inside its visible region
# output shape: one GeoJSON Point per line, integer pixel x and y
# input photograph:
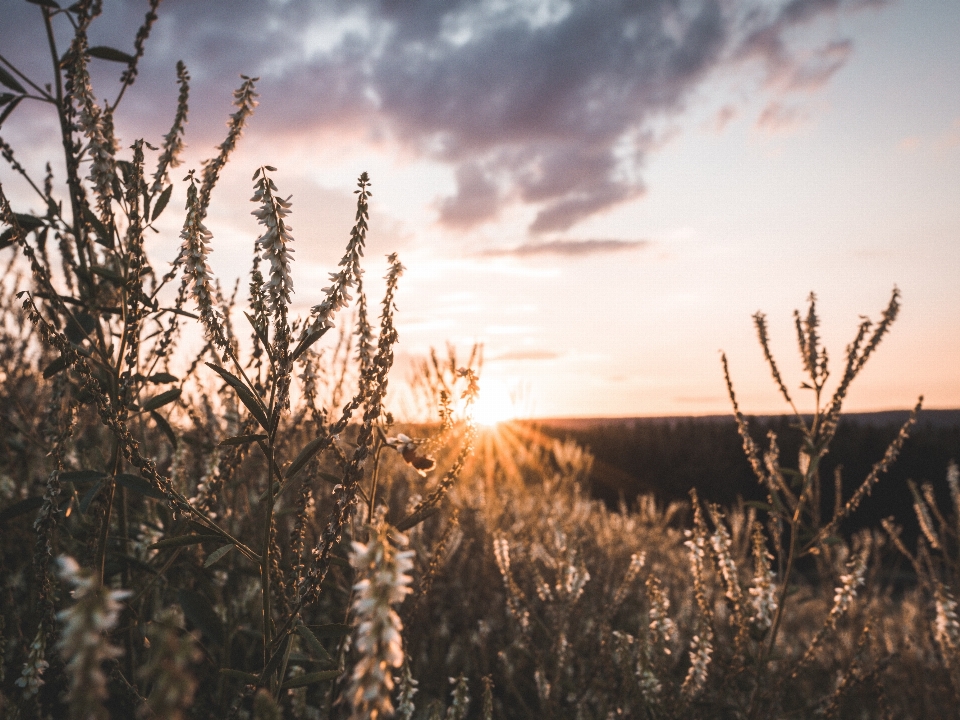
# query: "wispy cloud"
{"type": "Point", "coordinates": [523, 355]}
{"type": "Point", "coordinates": [573, 248]}
{"type": "Point", "coordinates": [778, 118]}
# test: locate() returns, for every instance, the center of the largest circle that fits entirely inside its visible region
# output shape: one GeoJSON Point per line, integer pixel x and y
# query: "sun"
{"type": "Point", "coordinates": [493, 406]}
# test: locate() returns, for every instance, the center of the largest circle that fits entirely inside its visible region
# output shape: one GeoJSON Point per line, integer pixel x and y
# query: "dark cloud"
{"type": "Point", "coordinates": [789, 69]}
{"type": "Point", "coordinates": [546, 102]}
{"type": "Point", "coordinates": [575, 248]}
{"type": "Point", "coordinates": [476, 200]}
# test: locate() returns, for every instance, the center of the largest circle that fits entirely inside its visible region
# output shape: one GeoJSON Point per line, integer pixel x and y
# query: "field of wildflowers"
{"type": "Point", "coordinates": [251, 534]}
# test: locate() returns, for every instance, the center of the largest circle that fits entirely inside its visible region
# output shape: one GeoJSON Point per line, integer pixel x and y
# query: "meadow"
{"type": "Point", "coordinates": [250, 533]}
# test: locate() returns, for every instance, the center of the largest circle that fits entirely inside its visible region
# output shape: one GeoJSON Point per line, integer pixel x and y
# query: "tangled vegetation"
{"type": "Point", "coordinates": [249, 533]}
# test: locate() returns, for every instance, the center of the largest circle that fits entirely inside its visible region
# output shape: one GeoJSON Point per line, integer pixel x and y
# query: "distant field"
{"type": "Point", "coordinates": [667, 456]}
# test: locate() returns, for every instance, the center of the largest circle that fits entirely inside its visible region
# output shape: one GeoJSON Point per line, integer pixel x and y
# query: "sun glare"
{"type": "Point", "coordinates": [493, 406]}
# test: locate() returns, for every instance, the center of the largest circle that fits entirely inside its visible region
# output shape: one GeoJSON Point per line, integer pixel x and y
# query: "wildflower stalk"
{"type": "Point", "coordinates": [701, 645]}
{"type": "Point", "coordinates": [800, 511]}
{"type": "Point", "coordinates": [83, 642]}
{"type": "Point", "coordinates": [383, 582]}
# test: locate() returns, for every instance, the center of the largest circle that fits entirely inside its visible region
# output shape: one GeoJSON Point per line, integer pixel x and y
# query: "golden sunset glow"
{"type": "Point", "coordinates": [494, 405]}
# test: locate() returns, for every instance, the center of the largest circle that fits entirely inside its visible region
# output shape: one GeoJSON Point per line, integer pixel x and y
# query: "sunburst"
{"type": "Point", "coordinates": [493, 406]}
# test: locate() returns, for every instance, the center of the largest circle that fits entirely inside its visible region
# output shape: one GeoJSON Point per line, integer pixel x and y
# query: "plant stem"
{"type": "Point", "coordinates": [265, 562]}
{"type": "Point", "coordinates": [105, 528]}
{"type": "Point", "coordinates": [373, 487]}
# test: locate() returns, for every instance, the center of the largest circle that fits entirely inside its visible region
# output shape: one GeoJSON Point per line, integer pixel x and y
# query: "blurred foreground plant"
{"type": "Point", "coordinates": [150, 464]}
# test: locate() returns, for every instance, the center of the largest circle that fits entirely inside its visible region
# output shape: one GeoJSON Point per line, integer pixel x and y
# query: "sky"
{"type": "Point", "coordinates": [602, 193]}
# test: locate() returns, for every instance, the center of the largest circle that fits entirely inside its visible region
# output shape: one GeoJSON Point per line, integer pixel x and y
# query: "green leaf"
{"type": "Point", "coordinates": [313, 643]}
{"type": "Point", "coordinates": [128, 171]}
{"type": "Point", "coordinates": [304, 456]}
{"type": "Point", "coordinates": [261, 335]}
{"type": "Point", "coordinates": [178, 311]}
{"type": "Point", "coordinates": [56, 366]}
{"type": "Point", "coordinates": [108, 53]}
{"type": "Point", "coordinates": [20, 508]}
{"type": "Point", "coordinates": [161, 202]}
{"type": "Point", "coordinates": [140, 485]}
{"type": "Point", "coordinates": [251, 401]}
{"type": "Point", "coordinates": [133, 562]}
{"type": "Point", "coordinates": [79, 326]}
{"type": "Point", "coordinates": [160, 400]}
{"type": "Point", "coordinates": [417, 518]}
{"type": "Point", "coordinates": [82, 476]}
{"type": "Point", "coordinates": [778, 505]}
{"type": "Point", "coordinates": [242, 440]}
{"type": "Point", "coordinates": [307, 342]}
{"type": "Point", "coordinates": [104, 237]}
{"type": "Point", "coordinates": [311, 678]}
{"type": "Point", "coordinates": [198, 610]}
{"type": "Point", "coordinates": [299, 658]}
{"type": "Point", "coordinates": [164, 426]}
{"type": "Point", "coordinates": [331, 630]}
{"type": "Point", "coordinates": [245, 677]}
{"type": "Point", "coordinates": [28, 222]}
{"type": "Point", "coordinates": [183, 540]}
{"type": "Point", "coordinates": [10, 108]}
{"type": "Point", "coordinates": [276, 491]}
{"type": "Point", "coordinates": [275, 658]}
{"type": "Point", "coordinates": [105, 273]}
{"type": "Point", "coordinates": [90, 496]}
{"type": "Point", "coordinates": [10, 81]}
{"type": "Point", "coordinates": [161, 378]}
{"type": "Point", "coordinates": [217, 554]}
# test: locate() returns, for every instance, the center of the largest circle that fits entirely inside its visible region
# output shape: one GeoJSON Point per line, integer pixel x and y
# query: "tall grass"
{"type": "Point", "coordinates": [206, 542]}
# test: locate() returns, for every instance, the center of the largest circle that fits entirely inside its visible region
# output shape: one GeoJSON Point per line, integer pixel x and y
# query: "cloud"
{"type": "Point", "coordinates": [519, 355]}
{"type": "Point", "coordinates": [788, 69]}
{"type": "Point", "coordinates": [951, 138]}
{"type": "Point", "coordinates": [779, 118]}
{"type": "Point", "coordinates": [548, 103]}
{"type": "Point", "coordinates": [722, 118]}
{"type": "Point", "coordinates": [570, 248]}
{"type": "Point", "coordinates": [476, 199]}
